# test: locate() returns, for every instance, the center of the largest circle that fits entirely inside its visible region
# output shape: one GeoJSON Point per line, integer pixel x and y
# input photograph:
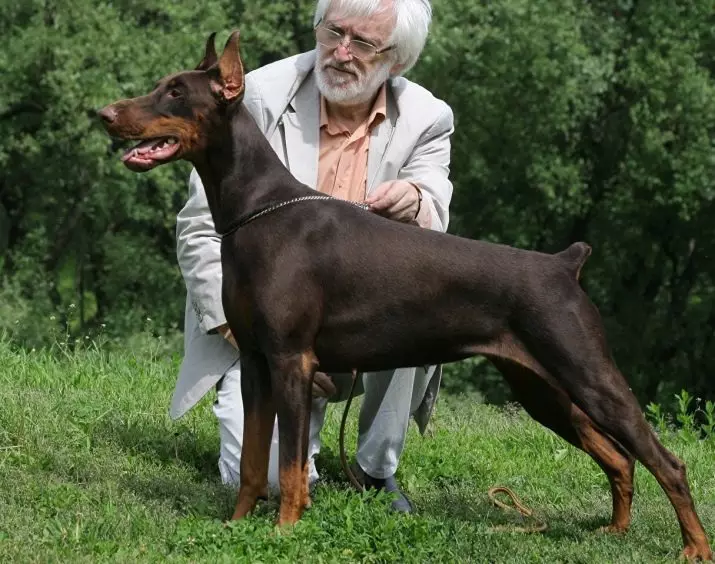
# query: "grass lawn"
{"type": "Point", "coordinates": [92, 469]}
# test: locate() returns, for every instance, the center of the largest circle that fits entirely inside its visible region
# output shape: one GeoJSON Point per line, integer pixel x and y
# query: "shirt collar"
{"type": "Point", "coordinates": [378, 112]}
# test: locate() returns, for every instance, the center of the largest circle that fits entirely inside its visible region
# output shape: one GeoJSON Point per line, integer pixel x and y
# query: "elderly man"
{"type": "Point", "coordinates": [344, 122]}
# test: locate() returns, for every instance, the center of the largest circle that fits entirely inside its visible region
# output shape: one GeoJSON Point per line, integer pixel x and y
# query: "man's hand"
{"type": "Point", "coordinates": [323, 386]}
{"type": "Point", "coordinates": [225, 332]}
{"type": "Point", "coordinates": [396, 199]}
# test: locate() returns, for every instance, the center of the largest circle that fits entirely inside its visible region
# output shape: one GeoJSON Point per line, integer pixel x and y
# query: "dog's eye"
{"type": "Point", "coordinates": [174, 93]}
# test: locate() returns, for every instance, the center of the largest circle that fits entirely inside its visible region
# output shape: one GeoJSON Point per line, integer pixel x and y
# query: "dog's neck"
{"type": "Point", "coordinates": [240, 171]}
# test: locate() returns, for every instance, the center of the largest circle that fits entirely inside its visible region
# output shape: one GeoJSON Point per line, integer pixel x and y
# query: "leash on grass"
{"type": "Point", "coordinates": [519, 507]}
{"type": "Point", "coordinates": [343, 459]}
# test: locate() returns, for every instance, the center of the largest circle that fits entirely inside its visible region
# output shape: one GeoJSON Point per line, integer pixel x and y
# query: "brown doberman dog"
{"type": "Point", "coordinates": [295, 296]}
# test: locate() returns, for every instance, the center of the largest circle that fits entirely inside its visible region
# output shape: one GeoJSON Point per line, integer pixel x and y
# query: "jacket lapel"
{"type": "Point", "coordinates": [301, 130]}
{"type": "Point", "coordinates": [380, 140]}
{"type": "Point", "coordinates": [300, 125]}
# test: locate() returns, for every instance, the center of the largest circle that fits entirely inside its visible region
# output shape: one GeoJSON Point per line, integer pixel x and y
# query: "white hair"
{"type": "Point", "coordinates": [412, 21]}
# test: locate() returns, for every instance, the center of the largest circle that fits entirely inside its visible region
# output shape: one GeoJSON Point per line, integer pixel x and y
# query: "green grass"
{"type": "Point", "coordinates": [92, 470]}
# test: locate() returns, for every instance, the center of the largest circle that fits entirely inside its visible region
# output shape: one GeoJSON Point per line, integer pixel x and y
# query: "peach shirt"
{"type": "Point", "coordinates": [342, 160]}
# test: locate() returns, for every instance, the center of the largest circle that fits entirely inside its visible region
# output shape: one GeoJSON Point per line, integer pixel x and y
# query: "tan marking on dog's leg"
{"type": "Point", "coordinates": [259, 417]}
{"type": "Point", "coordinates": [292, 381]}
{"type": "Point", "coordinates": [617, 467]}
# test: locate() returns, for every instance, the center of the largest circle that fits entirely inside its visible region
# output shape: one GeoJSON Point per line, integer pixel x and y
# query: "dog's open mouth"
{"type": "Point", "coordinates": [150, 153]}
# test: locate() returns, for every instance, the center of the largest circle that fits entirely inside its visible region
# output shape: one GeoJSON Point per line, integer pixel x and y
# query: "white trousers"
{"type": "Point", "coordinates": [390, 398]}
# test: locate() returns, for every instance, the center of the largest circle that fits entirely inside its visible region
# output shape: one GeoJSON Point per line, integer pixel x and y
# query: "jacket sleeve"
{"type": "Point", "coordinates": [428, 168]}
{"type": "Point", "coordinates": [198, 249]}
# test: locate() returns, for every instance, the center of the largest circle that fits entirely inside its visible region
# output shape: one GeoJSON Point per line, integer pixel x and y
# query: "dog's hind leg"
{"type": "Point", "coordinates": [617, 465]}
{"type": "Point", "coordinates": [628, 426]}
{"type": "Point", "coordinates": [259, 414]}
{"type": "Point", "coordinates": [567, 338]}
{"type": "Point", "coordinates": [292, 378]}
{"type": "Point", "coordinates": [551, 407]}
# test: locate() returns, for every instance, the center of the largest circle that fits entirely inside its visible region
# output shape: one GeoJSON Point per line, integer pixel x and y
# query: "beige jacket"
{"type": "Point", "coordinates": [412, 143]}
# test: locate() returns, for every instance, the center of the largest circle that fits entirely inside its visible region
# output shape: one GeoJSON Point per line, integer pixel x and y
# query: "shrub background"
{"type": "Point", "coordinates": [574, 121]}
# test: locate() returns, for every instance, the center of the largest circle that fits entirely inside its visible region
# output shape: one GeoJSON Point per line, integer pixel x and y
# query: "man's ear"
{"type": "Point", "coordinates": [230, 68]}
{"type": "Point", "coordinates": [396, 69]}
{"type": "Point", "coordinates": [210, 56]}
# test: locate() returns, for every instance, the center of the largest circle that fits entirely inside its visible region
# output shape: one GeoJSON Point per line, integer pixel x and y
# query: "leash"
{"type": "Point", "coordinates": [343, 459]}
{"type": "Point", "coordinates": [519, 507]}
{"type": "Point", "coordinates": [265, 210]}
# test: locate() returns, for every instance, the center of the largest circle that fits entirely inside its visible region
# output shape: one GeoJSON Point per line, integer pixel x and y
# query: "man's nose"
{"type": "Point", "coordinates": [342, 52]}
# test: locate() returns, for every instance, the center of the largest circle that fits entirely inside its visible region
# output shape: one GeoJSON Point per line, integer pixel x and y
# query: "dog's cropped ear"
{"type": "Point", "coordinates": [230, 67]}
{"type": "Point", "coordinates": [210, 56]}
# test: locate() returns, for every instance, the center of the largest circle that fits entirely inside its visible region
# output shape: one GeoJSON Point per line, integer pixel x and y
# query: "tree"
{"type": "Point", "coordinates": [594, 122]}
{"type": "Point", "coordinates": [77, 228]}
{"type": "Point", "coordinates": [574, 121]}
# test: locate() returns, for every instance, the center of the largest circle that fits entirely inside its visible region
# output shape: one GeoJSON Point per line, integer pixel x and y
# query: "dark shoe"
{"type": "Point", "coordinates": [400, 502]}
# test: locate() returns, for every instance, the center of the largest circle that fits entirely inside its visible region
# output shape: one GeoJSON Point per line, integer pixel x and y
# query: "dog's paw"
{"type": "Point", "coordinates": [694, 553]}
{"type": "Point", "coordinates": [613, 529]}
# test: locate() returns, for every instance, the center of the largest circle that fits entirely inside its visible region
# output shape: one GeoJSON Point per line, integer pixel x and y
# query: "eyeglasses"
{"type": "Point", "coordinates": [360, 49]}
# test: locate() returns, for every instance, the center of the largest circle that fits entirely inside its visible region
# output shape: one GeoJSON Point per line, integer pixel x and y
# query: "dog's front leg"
{"type": "Point", "coordinates": [259, 414]}
{"type": "Point", "coordinates": [292, 379]}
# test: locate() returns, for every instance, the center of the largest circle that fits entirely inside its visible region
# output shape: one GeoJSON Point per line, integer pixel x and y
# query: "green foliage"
{"type": "Point", "coordinates": [692, 423]}
{"type": "Point", "coordinates": [594, 121]}
{"type": "Point", "coordinates": [574, 121]}
{"type": "Point", "coordinates": [75, 226]}
{"type": "Point", "coordinates": [93, 470]}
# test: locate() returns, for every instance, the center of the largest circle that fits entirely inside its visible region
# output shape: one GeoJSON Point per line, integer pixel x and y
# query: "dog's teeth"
{"type": "Point", "coordinates": [172, 141]}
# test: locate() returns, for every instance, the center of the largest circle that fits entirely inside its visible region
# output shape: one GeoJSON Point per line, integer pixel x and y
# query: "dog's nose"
{"type": "Point", "coordinates": [108, 114]}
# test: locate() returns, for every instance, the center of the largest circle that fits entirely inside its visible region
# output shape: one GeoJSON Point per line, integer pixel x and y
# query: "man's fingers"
{"type": "Point", "coordinates": [381, 205]}
{"type": "Point", "coordinates": [379, 192]}
{"type": "Point", "coordinates": [394, 200]}
{"type": "Point", "coordinates": [386, 200]}
{"type": "Point", "coordinates": [225, 332]}
{"type": "Point", "coordinates": [323, 385]}
{"type": "Point", "coordinates": [393, 205]}
{"type": "Point", "coordinates": [400, 206]}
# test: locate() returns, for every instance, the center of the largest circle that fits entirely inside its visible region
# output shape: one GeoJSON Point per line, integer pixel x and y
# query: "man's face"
{"type": "Point", "coordinates": [343, 78]}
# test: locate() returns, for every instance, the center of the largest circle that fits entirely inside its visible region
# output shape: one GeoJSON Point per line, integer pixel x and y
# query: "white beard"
{"type": "Point", "coordinates": [357, 88]}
